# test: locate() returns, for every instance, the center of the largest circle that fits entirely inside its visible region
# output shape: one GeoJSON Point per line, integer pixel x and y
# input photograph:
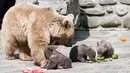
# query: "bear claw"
{"type": "Point", "coordinates": [10, 58]}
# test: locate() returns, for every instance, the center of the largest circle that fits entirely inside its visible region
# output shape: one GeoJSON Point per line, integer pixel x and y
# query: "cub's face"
{"type": "Point", "coordinates": [62, 29]}
{"type": "Point", "coordinates": [50, 50]}
{"type": "Point", "coordinates": [101, 49]}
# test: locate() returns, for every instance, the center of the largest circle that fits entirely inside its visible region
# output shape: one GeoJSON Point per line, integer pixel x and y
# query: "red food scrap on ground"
{"type": "Point", "coordinates": [34, 70]}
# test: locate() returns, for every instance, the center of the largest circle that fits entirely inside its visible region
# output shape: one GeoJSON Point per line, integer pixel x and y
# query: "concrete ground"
{"type": "Point", "coordinates": [121, 65]}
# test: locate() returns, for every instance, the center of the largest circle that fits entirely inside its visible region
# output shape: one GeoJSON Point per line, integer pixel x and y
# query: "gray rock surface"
{"type": "Point", "coordinates": [94, 22]}
{"type": "Point", "coordinates": [56, 4]}
{"type": "Point", "coordinates": [110, 21]}
{"type": "Point", "coordinates": [24, 1]}
{"type": "Point", "coordinates": [62, 6]}
{"type": "Point", "coordinates": [94, 11]}
{"type": "Point", "coordinates": [107, 2]}
{"type": "Point", "coordinates": [87, 3]}
{"type": "Point", "coordinates": [109, 9]}
{"type": "Point", "coordinates": [126, 21]}
{"type": "Point", "coordinates": [125, 1]}
{"type": "Point", "coordinates": [73, 7]}
{"type": "Point", "coordinates": [121, 10]}
{"type": "Point", "coordinates": [63, 11]}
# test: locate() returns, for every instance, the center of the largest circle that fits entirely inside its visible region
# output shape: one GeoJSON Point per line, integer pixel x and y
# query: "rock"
{"type": "Point", "coordinates": [73, 7]}
{"type": "Point", "coordinates": [23, 1]}
{"type": "Point", "coordinates": [107, 2]}
{"type": "Point", "coordinates": [87, 3]}
{"type": "Point", "coordinates": [62, 6]}
{"type": "Point", "coordinates": [110, 21]}
{"type": "Point", "coordinates": [109, 9]}
{"type": "Point", "coordinates": [63, 11]}
{"type": "Point", "coordinates": [94, 22]}
{"type": "Point", "coordinates": [125, 1]}
{"type": "Point", "coordinates": [36, 2]}
{"type": "Point", "coordinates": [58, 5]}
{"type": "Point", "coordinates": [121, 10]}
{"type": "Point", "coordinates": [94, 11]}
{"type": "Point", "coordinates": [82, 20]}
{"type": "Point", "coordinates": [126, 21]}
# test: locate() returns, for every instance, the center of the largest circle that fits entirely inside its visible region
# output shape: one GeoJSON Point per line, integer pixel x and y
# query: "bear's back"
{"type": "Point", "coordinates": [22, 11]}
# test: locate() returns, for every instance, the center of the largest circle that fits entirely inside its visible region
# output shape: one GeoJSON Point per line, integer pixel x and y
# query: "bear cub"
{"type": "Point", "coordinates": [82, 53]}
{"type": "Point", "coordinates": [57, 60]}
{"type": "Point", "coordinates": [104, 48]}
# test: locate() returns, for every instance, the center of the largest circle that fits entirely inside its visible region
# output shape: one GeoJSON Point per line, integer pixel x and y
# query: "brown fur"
{"type": "Point", "coordinates": [58, 61]}
{"type": "Point", "coordinates": [28, 27]}
{"type": "Point", "coordinates": [105, 49]}
{"type": "Point", "coordinates": [81, 52]}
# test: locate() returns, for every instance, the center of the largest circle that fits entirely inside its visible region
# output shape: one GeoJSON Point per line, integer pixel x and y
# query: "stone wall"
{"type": "Point", "coordinates": [62, 6]}
{"type": "Point", "coordinates": [23, 1]}
{"type": "Point", "coordinates": [107, 13]}
{"type": "Point", "coordinates": [93, 13]}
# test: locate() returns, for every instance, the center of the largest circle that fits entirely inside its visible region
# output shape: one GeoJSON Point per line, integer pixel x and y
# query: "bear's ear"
{"type": "Point", "coordinates": [70, 16]}
{"type": "Point", "coordinates": [32, 17]}
{"type": "Point", "coordinates": [66, 23]}
{"type": "Point", "coordinates": [51, 9]}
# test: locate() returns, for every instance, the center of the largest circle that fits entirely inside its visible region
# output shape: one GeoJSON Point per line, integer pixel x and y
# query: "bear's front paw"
{"type": "Point", "coordinates": [9, 57]}
{"type": "Point", "coordinates": [60, 67]}
{"type": "Point", "coordinates": [25, 57]}
{"type": "Point", "coordinates": [43, 63]}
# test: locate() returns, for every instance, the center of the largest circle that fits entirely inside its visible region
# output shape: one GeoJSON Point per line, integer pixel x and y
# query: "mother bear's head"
{"type": "Point", "coordinates": [61, 28]}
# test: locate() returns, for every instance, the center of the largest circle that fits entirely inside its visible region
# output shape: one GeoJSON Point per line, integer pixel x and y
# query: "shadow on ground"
{"type": "Point", "coordinates": [82, 29]}
{"type": "Point", "coordinates": [80, 36]}
{"type": "Point", "coordinates": [16, 56]}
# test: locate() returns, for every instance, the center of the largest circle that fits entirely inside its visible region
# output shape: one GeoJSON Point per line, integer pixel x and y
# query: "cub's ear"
{"type": "Point", "coordinates": [32, 17]}
{"type": "Point", "coordinates": [70, 16]}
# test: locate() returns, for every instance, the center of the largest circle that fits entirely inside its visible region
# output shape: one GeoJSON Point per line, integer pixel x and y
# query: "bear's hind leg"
{"type": "Point", "coordinates": [81, 59]}
{"type": "Point", "coordinates": [9, 54]}
{"type": "Point", "coordinates": [50, 65]}
{"type": "Point", "coordinates": [9, 50]}
{"type": "Point", "coordinates": [24, 54]}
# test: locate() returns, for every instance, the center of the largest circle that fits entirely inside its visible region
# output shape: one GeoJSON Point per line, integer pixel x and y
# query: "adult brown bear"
{"type": "Point", "coordinates": [31, 29]}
